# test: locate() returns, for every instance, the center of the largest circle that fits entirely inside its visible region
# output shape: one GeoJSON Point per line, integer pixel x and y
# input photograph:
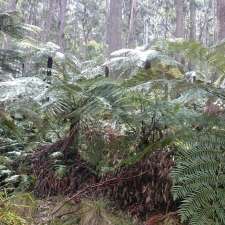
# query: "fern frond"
{"type": "Point", "coordinates": [199, 178]}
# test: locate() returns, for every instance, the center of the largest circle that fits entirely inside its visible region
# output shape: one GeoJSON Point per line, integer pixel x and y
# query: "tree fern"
{"type": "Point", "coordinates": [209, 61]}
{"type": "Point", "coordinates": [199, 178]}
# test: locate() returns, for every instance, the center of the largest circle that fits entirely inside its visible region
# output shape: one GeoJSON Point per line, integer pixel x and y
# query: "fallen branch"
{"type": "Point", "coordinates": [96, 186]}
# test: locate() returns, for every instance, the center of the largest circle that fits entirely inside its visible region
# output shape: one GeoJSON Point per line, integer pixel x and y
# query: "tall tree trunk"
{"type": "Point", "coordinates": [114, 26]}
{"type": "Point", "coordinates": [146, 31]}
{"type": "Point", "coordinates": [192, 35]}
{"type": "Point", "coordinates": [131, 34]}
{"type": "Point", "coordinates": [221, 19]}
{"type": "Point", "coordinates": [49, 20]}
{"type": "Point", "coordinates": [62, 18]}
{"type": "Point", "coordinates": [180, 19]}
{"type": "Point", "coordinates": [12, 5]}
{"type": "Point", "coordinates": [192, 20]}
{"type": "Point", "coordinates": [33, 11]}
{"type": "Point", "coordinates": [147, 24]}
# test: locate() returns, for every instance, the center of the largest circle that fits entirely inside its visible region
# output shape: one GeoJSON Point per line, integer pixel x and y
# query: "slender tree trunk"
{"type": "Point", "coordinates": [180, 25]}
{"type": "Point", "coordinates": [29, 18]}
{"type": "Point", "coordinates": [147, 24]}
{"type": "Point", "coordinates": [12, 5]}
{"type": "Point", "coordinates": [221, 19]}
{"type": "Point", "coordinates": [146, 31]}
{"type": "Point", "coordinates": [180, 19]}
{"type": "Point", "coordinates": [131, 34]}
{"type": "Point", "coordinates": [62, 18]}
{"type": "Point", "coordinates": [214, 7]}
{"type": "Point", "coordinates": [32, 18]}
{"type": "Point", "coordinates": [114, 26]}
{"type": "Point", "coordinates": [192, 20]}
{"type": "Point", "coordinates": [49, 20]}
{"type": "Point", "coordinates": [192, 35]}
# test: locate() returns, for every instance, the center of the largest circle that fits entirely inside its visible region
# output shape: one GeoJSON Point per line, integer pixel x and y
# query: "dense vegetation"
{"type": "Point", "coordinates": [137, 138]}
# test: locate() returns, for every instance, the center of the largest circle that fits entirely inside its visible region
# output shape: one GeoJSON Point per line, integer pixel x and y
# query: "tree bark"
{"type": "Point", "coordinates": [221, 19]}
{"type": "Point", "coordinates": [62, 18]}
{"type": "Point", "coordinates": [180, 19]}
{"type": "Point", "coordinates": [192, 35]}
{"type": "Point", "coordinates": [49, 20]}
{"type": "Point", "coordinates": [12, 5]}
{"type": "Point", "coordinates": [131, 34]}
{"type": "Point", "coordinates": [114, 26]}
{"type": "Point", "coordinates": [192, 20]}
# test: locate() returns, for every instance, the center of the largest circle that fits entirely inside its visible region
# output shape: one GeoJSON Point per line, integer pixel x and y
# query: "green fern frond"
{"type": "Point", "coordinates": [199, 178]}
{"type": "Point", "coordinates": [207, 60]}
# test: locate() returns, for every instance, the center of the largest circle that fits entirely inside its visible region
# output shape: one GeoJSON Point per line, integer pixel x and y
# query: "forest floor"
{"type": "Point", "coordinates": [58, 211]}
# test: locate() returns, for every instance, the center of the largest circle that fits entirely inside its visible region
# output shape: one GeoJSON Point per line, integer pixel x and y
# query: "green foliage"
{"type": "Point", "coordinates": [95, 50]}
{"type": "Point", "coordinates": [199, 178]}
{"type": "Point", "coordinates": [209, 61]}
{"type": "Point", "coordinates": [12, 55]}
{"type": "Point", "coordinates": [150, 100]}
{"type": "Point", "coordinates": [17, 209]}
{"type": "Point", "coordinates": [121, 121]}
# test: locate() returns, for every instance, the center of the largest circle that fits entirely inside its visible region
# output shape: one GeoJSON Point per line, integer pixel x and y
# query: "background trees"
{"type": "Point", "coordinates": [104, 26]}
